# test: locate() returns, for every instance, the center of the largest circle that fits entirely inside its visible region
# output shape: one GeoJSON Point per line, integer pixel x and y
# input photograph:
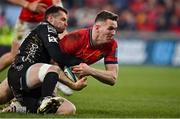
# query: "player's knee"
{"type": "Point", "coordinates": [5, 93]}
{"type": "Point", "coordinates": [5, 96]}
{"type": "Point", "coordinates": [71, 110]}
{"type": "Point", "coordinates": [2, 98]}
{"type": "Point", "coordinates": [67, 108]}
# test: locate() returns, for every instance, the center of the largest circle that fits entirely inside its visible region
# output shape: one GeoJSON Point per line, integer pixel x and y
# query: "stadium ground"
{"type": "Point", "coordinates": [141, 92]}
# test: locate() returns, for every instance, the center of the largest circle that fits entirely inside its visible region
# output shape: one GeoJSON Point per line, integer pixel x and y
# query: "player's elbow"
{"type": "Point", "coordinates": [113, 78]}
{"type": "Point", "coordinates": [113, 81]}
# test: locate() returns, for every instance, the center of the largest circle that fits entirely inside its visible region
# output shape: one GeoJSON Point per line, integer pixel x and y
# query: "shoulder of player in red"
{"type": "Point", "coordinates": [73, 40]}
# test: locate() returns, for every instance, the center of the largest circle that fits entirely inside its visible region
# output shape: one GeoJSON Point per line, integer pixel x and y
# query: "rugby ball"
{"type": "Point", "coordinates": [68, 72]}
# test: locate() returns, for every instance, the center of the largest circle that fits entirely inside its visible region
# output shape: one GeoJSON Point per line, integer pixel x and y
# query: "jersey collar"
{"type": "Point", "coordinates": [51, 25]}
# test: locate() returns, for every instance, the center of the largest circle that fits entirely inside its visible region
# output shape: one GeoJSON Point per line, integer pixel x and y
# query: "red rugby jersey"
{"type": "Point", "coordinates": [29, 16]}
{"type": "Point", "coordinates": [79, 43]}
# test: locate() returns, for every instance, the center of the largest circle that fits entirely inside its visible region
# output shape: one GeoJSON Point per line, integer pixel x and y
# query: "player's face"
{"type": "Point", "coordinates": [60, 22]}
{"type": "Point", "coordinates": [107, 30]}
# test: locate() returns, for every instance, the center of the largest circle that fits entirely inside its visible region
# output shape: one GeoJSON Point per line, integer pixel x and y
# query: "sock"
{"type": "Point", "coordinates": [49, 84]}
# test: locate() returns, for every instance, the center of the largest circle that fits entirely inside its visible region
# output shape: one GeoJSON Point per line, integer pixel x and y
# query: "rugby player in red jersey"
{"type": "Point", "coordinates": [93, 44]}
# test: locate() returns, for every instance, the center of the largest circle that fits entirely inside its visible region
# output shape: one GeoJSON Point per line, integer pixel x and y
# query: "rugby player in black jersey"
{"type": "Point", "coordinates": [32, 78]}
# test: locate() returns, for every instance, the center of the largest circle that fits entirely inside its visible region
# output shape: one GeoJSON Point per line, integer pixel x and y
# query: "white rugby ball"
{"type": "Point", "coordinates": [70, 74]}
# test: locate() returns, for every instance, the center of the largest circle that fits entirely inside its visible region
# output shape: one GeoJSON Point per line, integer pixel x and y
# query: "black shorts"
{"type": "Point", "coordinates": [17, 83]}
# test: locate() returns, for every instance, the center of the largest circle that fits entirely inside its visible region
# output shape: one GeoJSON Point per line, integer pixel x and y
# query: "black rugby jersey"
{"type": "Point", "coordinates": [40, 46]}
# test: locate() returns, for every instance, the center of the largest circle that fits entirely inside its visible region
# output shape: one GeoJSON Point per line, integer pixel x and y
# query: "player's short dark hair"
{"type": "Point", "coordinates": [54, 9]}
{"type": "Point", "coordinates": [104, 15]}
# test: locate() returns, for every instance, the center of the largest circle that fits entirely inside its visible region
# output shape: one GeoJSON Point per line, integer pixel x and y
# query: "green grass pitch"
{"type": "Point", "coordinates": [140, 92]}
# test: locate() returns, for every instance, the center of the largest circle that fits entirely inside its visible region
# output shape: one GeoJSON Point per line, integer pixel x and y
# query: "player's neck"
{"type": "Point", "coordinates": [94, 38]}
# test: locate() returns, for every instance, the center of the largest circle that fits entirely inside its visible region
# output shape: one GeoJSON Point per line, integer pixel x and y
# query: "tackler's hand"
{"type": "Point", "coordinates": [80, 84]}
{"type": "Point", "coordinates": [36, 6]}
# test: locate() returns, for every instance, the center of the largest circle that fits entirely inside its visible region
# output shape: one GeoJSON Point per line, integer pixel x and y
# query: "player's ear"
{"type": "Point", "coordinates": [97, 26]}
{"type": "Point", "coordinates": [50, 18]}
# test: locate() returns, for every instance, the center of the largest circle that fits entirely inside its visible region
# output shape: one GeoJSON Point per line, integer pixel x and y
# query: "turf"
{"type": "Point", "coordinates": [140, 91]}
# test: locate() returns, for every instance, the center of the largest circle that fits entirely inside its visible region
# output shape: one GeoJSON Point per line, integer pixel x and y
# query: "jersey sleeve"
{"type": "Point", "coordinates": [50, 39]}
{"type": "Point", "coordinates": [112, 54]}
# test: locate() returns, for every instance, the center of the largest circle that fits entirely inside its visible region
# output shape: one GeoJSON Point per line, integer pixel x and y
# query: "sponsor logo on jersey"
{"type": "Point", "coordinates": [52, 38]}
{"type": "Point", "coordinates": [32, 51]}
{"type": "Point", "coordinates": [51, 29]}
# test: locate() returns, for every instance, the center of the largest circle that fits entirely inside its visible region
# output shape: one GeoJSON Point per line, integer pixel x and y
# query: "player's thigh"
{"type": "Point", "coordinates": [5, 92]}
{"type": "Point", "coordinates": [67, 108]}
{"type": "Point", "coordinates": [36, 73]}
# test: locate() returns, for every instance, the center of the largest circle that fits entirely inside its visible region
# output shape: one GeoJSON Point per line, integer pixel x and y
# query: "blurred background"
{"type": "Point", "coordinates": [148, 33]}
